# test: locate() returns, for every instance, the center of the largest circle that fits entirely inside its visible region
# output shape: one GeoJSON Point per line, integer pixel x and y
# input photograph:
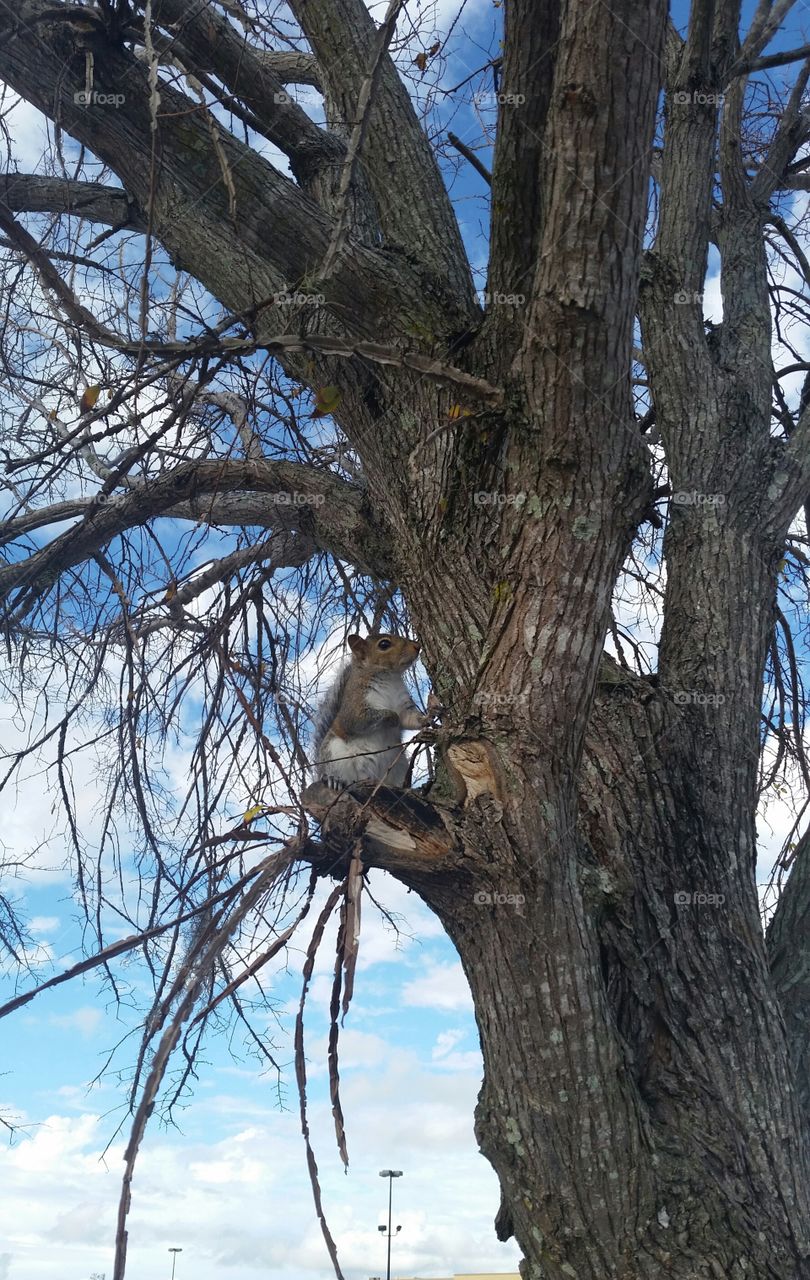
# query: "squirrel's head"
{"type": "Point", "coordinates": [389, 653]}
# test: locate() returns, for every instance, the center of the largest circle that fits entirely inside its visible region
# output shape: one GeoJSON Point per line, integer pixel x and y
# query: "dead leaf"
{"type": "Point", "coordinates": [89, 397]}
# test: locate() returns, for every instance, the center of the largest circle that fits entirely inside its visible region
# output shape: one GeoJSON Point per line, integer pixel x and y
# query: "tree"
{"type": "Point", "coordinates": [513, 475]}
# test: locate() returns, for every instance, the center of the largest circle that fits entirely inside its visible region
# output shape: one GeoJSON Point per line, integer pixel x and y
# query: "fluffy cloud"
{"type": "Point", "coordinates": [241, 1205]}
{"type": "Point", "coordinates": [443, 986]}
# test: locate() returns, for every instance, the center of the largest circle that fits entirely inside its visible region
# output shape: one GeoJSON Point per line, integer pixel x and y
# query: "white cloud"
{"type": "Point", "coordinates": [443, 986]}
{"type": "Point", "coordinates": [85, 1020]}
{"type": "Point", "coordinates": [240, 1206]}
{"type": "Point", "coordinates": [44, 924]}
{"type": "Point", "coordinates": [28, 131]}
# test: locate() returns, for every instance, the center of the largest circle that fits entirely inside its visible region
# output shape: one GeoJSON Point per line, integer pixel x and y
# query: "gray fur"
{"type": "Point", "coordinates": [328, 708]}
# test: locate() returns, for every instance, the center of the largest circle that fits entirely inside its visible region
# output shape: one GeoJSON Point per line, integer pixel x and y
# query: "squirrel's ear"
{"type": "Point", "coordinates": [358, 645]}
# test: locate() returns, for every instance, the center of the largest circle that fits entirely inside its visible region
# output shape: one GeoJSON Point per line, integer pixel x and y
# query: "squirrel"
{"type": "Point", "coordinates": [359, 722]}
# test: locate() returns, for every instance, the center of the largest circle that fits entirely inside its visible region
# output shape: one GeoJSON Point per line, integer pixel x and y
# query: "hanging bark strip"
{"type": "Point", "coordinates": [301, 1073]}
{"type": "Point", "coordinates": [193, 975]}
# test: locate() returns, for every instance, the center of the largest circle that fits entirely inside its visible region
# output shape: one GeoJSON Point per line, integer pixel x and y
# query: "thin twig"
{"type": "Point", "coordinates": [471, 156]}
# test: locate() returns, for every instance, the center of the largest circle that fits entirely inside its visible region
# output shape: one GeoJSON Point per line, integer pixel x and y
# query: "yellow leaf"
{"type": "Point", "coordinates": [456, 411]}
{"type": "Point", "coordinates": [327, 400]}
{"type": "Point", "coordinates": [89, 397]}
{"type": "Point", "coordinates": [252, 812]}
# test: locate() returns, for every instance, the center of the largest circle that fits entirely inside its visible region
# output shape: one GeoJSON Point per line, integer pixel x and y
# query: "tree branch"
{"type": "Point", "coordinates": [313, 344]}
{"type": "Point", "coordinates": [765, 23]}
{"type": "Point", "coordinates": [413, 206]}
{"type": "Point", "coordinates": [521, 162]}
{"type": "Point", "coordinates": [214, 44]}
{"type": "Point", "coordinates": [33, 193]}
{"type": "Point", "coordinates": [291, 67]}
{"type": "Point", "coordinates": [359, 133]}
{"type": "Point", "coordinates": [315, 503]}
{"type": "Point", "coordinates": [245, 238]}
{"type": "Point", "coordinates": [281, 551]}
{"type": "Point", "coordinates": [470, 157]}
{"type": "Point", "coordinates": [792, 131]}
{"type": "Point", "coordinates": [772, 60]}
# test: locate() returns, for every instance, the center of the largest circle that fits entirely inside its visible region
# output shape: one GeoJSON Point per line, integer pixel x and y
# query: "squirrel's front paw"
{"type": "Point", "coordinates": [434, 707]}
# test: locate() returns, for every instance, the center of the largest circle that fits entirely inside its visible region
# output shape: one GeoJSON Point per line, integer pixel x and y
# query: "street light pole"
{"type": "Point", "coordinates": [174, 1252]}
{"type": "Point", "coordinates": [390, 1174]}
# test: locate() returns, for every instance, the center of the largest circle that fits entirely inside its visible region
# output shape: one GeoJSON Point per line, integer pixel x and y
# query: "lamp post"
{"type": "Point", "coordinates": [174, 1252]}
{"type": "Point", "coordinates": [390, 1174]}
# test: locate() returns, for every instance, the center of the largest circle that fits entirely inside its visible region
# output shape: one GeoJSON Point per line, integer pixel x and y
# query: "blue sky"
{"type": "Point", "coordinates": [410, 1071]}
{"type": "Point", "coordinates": [229, 1184]}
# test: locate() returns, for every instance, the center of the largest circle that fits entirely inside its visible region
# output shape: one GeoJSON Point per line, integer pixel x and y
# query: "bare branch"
{"type": "Point", "coordinates": [190, 980]}
{"type": "Point", "coordinates": [470, 156]}
{"type": "Point", "coordinates": [368, 89]}
{"type": "Point", "coordinates": [33, 193]}
{"type": "Point", "coordinates": [792, 131]}
{"type": "Point", "coordinates": [214, 45]}
{"type": "Point", "coordinates": [417, 215]}
{"type": "Point", "coordinates": [325, 506]}
{"type": "Point", "coordinates": [275, 234]}
{"type": "Point", "coordinates": [771, 61]}
{"type": "Point", "coordinates": [320, 344]}
{"type": "Point", "coordinates": [292, 68]}
{"type": "Point", "coordinates": [765, 23]}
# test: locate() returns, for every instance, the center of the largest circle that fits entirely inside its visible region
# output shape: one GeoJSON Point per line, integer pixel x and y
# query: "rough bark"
{"type": "Point", "coordinates": [640, 1103]}
{"type": "Point", "coordinates": [791, 973]}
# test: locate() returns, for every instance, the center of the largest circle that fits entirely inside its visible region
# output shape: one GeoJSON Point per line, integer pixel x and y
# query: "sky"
{"type": "Point", "coordinates": [228, 1184]}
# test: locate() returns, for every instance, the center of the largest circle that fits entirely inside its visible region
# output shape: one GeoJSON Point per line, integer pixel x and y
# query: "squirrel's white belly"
{"type": "Point", "coordinates": [369, 757]}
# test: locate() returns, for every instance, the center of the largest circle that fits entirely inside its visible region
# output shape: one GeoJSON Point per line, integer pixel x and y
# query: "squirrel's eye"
{"type": "Point", "coordinates": [383, 644]}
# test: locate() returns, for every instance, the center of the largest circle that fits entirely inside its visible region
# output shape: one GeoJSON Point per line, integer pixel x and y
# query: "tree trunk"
{"type": "Point", "coordinates": [637, 1102]}
{"type": "Point", "coordinates": [589, 841]}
